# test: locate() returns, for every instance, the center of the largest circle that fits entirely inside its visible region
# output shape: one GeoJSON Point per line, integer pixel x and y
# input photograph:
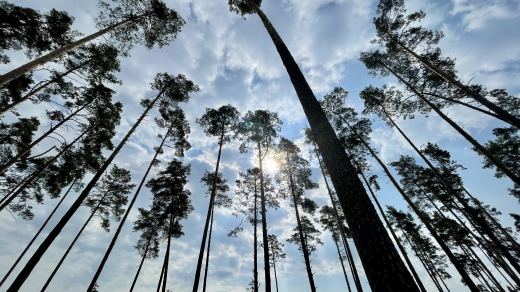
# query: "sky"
{"type": "Point", "coordinates": [234, 62]}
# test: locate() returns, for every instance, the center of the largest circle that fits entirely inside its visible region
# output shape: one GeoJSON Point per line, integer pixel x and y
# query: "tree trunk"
{"type": "Point", "coordinates": [425, 263]}
{"type": "Point", "coordinates": [24, 69]}
{"type": "Point", "coordinates": [343, 266]}
{"type": "Point", "coordinates": [424, 220]}
{"type": "Point", "coordinates": [37, 173]}
{"type": "Point", "coordinates": [255, 242]}
{"type": "Point", "coordinates": [73, 242]}
{"type": "Point", "coordinates": [39, 88]}
{"type": "Point", "coordinates": [24, 274]}
{"type": "Point", "coordinates": [275, 277]}
{"type": "Point", "coordinates": [37, 234]}
{"type": "Point", "coordinates": [167, 256]}
{"type": "Point", "coordinates": [386, 273]}
{"type": "Point", "coordinates": [499, 165]}
{"type": "Point", "coordinates": [300, 230]}
{"type": "Point", "coordinates": [13, 160]}
{"type": "Point", "coordinates": [140, 265]}
{"type": "Point", "coordinates": [482, 100]}
{"type": "Point", "coordinates": [162, 275]}
{"type": "Point", "coordinates": [350, 259]}
{"type": "Point", "coordinates": [210, 208]}
{"type": "Point", "coordinates": [264, 225]}
{"type": "Point", "coordinates": [207, 251]}
{"type": "Point", "coordinates": [401, 248]}
{"type": "Point", "coordinates": [470, 253]}
{"type": "Point", "coordinates": [128, 210]}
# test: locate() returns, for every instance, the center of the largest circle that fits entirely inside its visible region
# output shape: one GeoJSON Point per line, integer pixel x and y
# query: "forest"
{"type": "Point", "coordinates": [252, 165]}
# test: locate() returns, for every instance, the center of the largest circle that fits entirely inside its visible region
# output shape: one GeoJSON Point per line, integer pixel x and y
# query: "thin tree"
{"type": "Point", "coordinates": [258, 131]}
{"type": "Point", "coordinates": [174, 120]}
{"type": "Point", "coordinates": [310, 236]}
{"type": "Point", "coordinates": [171, 91]}
{"type": "Point", "coordinates": [384, 273]}
{"type": "Point", "coordinates": [220, 200]}
{"type": "Point", "coordinates": [275, 254]}
{"type": "Point", "coordinates": [220, 123]}
{"type": "Point", "coordinates": [109, 197]}
{"type": "Point", "coordinates": [293, 179]}
{"type": "Point", "coordinates": [148, 22]}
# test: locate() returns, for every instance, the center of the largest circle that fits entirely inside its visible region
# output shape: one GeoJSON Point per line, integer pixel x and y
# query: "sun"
{"type": "Point", "coordinates": [270, 164]}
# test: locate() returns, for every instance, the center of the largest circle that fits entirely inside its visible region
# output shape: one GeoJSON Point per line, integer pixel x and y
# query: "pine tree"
{"type": "Point", "coordinates": [108, 197]}
{"type": "Point", "coordinates": [310, 236]}
{"type": "Point", "coordinates": [220, 188]}
{"type": "Point", "coordinates": [147, 22]}
{"type": "Point", "coordinates": [258, 131]}
{"type": "Point", "coordinates": [218, 123]}
{"type": "Point", "coordinates": [171, 196]}
{"type": "Point", "coordinates": [275, 253]}
{"type": "Point", "coordinates": [246, 205]}
{"type": "Point", "coordinates": [293, 179]}
{"type": "Point", "coordinates": [171, 91]}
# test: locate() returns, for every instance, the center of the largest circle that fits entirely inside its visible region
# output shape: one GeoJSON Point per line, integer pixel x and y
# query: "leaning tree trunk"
{"type": "Point", "coordinates": [162, 275]}
{"type": "Point", "coordinates": [401, 248]}
{"type": "Point", "coordinates": [264, 225]}
{"type": "Point", "coordinates": [73, 242]}
{"type": "Point", "coordinates": [167, 256]}
{"type": "Point", "coordinates": [120, 227]}
{"type": "Point", "coordinates": [342, 266]}
{"type": "Point", "coordinates": [460, 268]}
{"type": "Point", "coordinates": [300, 230]}
{"type": "Point", "coordinates": [207, 251]}
{"type": "Point", "coordinates": [350, 259]}
{"type": "Point", "coordinates": [275, 277]}
{"type": "Point", "coordinates": [37, 233]}
{"type": "Point", "coordinates": [31, 264]}
{"type": "Point", "coordinates": [140, 265]}
{"type": "Point", "coordinates": [469, 211]}
{"type": "Point", "coordinates": [13, 160]}
{"type": "Point", "coordinates": [208, 216]}
{"type": "Point", "coordinates": [506, 116]}
{"type": "Point", "coordinates": [425, 262]}
{"type": "Point", "coordinates": [499, 165]}
{"type": "Point", "coordinates": [37, 173]}
{"type": "Point", "coordinates": [40, 88]}
{"type": "Point", "coordinates": [255, 242]}
{"type": "Point", "coordinates": [386, 273]}
{"type": "Point", "coordinates": [24, 69]}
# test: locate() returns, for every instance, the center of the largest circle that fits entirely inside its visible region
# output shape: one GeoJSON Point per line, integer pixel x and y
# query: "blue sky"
{"type": "Point", "coordinates": [235, 62]}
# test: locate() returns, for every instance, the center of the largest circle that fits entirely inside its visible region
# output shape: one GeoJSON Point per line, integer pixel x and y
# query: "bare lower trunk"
{"type": "Point", "coordinates": [23, 152]}
{"type": "Point", "coordinates": [206, 226]}
{"type": "Point", "coordinates": [499, 165]}
{"type": "Point", "coordinates": [162, 275]}
{"type": "Point", "coordinates": [167, 256]}
{"type": "Point", "coordinates": [255, 243]}
{"type": "Point", "coordinates": [31, 264]}
{"type": "Point", "coordinates": [267, 271]}
{"type": "Point", "coordinates": [24, 69]}
{"type": "Point", "coordinates": [343, 266]}
{"type": "Point", "coordinates": [207, 252]}
{"type": "Point", "coordinates": [482, 100]}
{"type": "Point", "coordinates": [425, 263]}
{"type": "Point", "coordinates": [140, 266]}
{"type": "Point", "coordinates": [37, 173]}
{"type": "Point", "coordinates": [122, 223]}
{"type": "Point", "coordinates": [37, 233]}
{"type": "Point", "coordinates": [275, 278]}
{"type": "Point", "coordinates": [386, 273]}
{"type": "Point", "coordinates": [424, 220]}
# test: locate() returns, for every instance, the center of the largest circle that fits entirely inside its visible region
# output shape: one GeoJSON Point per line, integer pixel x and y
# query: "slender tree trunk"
{"type": "Point", "coordinates": [23, 152]}
{"type": "Point", "coordinates": [162, 275]}
{"type": "Point", "coordinates": [424, 220]}
{"type": "Point", "coordinates": [425, 262]}
{"type": "Point", "coordinates": [37, 234]}
{"type": "Point", "coordinates": [128, 210]}
{"type": "Point", "coordinates": [73, 242]}
{"type": "Point", "coordinates": [24, 69]}
{"type": "Point", "coordinates": [386, 273]}
{"type": "Point", "coordinates": [207, 251]}
{"type": "Point", "coordinates": [275, 277]}
{"type": "Point", "coordinates": [24, 274]}
{"type": "Point", "coordinates": [167, 256]}
{"type": "Point", "coordinates": [497, 266]}
{"type": "Point", "coordinates": [300, 230]}
{"type": "Point", "coordinates": [470, 253]}
{"type": "Point", "coordinates": [140, 265]}
{"type": "Point", "coordinates": [37, 173]}
{"type": "Point", "coordinates": [264, 224]}
{"type": "Point", "coordinates": [350, 258]}
{"type": "Point", "coordinates": [401, 248]}
{"type": "Point", "coordinates": [479, 98]}
{"type": "Point", "coordinates": [208, 216]}
{"type": "Point", "coordinates": [255, 242]}
{"type": "Point", "coordinates": [8, 195]}
{"type": "Point", "coordinates": [343, 266]}
{"type": "Point", "coordinates": [467, 105]}
{"type": "Point", "coordinates": [39, 88]}
{"type": "Point", "coordinates": [468, 137]}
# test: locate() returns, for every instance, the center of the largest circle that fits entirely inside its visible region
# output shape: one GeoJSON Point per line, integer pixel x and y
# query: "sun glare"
{"type": "Point", "coordinates": [270, 164]}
